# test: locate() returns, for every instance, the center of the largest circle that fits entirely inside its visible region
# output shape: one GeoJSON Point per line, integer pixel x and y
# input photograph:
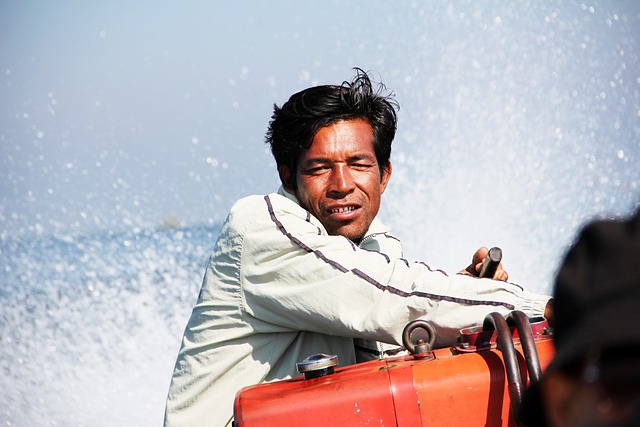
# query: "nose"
{"type": "Point", "coordinates": [341, 181]}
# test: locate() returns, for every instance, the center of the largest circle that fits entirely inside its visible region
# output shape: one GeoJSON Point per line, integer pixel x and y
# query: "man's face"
{"type": "Point", "coordinates": [338, 178]}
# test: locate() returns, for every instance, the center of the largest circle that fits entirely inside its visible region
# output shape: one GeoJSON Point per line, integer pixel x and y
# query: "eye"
{"type": "Point", "coordinates": [361, 165]}
{"type": "Point", "coordinates": [317, 169]}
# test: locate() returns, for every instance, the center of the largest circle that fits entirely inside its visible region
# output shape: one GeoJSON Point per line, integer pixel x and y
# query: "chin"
{"type": "Point", "coordinates": [352, 235]}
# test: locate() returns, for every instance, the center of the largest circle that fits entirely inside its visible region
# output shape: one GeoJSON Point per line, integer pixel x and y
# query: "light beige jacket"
{"type": "Point", "coordinates": [278, 289]}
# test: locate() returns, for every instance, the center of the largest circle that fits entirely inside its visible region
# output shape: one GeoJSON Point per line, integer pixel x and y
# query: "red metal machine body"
{"type": "Point", "coordinates": [466, 385]}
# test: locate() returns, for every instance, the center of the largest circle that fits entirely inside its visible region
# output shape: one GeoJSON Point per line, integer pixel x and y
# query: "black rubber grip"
{"type": "Point", "coordinates": [491, 262]}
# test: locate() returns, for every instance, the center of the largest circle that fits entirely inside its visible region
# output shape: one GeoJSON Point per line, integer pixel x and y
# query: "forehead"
{"type": "Point", "coordinates": [342, 138]}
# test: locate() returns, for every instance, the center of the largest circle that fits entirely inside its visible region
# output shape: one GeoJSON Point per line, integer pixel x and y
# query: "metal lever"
{"type": "Point", "coordinates": [491, 262]}
{"type": "Point", "coordinates": [529, 349]}
{"type": "Point", "coordinates": [505, 341]}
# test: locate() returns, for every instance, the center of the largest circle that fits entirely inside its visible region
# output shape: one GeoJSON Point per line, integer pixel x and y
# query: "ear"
{"type": "Point", "coordinates": [287, 179]}
{"type": "Point", "coordinates": [384, 179]}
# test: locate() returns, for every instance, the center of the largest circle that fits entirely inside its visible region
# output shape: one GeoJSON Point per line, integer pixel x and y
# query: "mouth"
{"type": "Point", "coordinates": [345, 209]}
{"type": "Point", "coordinates": [343, 212]}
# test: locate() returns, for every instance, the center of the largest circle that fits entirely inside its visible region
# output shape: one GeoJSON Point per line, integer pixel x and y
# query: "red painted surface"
{"type": "Point", "coordinates": [450, 388]}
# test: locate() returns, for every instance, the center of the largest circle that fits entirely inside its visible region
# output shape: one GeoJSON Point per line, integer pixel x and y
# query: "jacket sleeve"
{"type": "Point", "coordinates": [295, 276]}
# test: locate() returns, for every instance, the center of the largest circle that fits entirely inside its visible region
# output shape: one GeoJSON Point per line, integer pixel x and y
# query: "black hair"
{"type": "Point", "coordinates": [294, 125]}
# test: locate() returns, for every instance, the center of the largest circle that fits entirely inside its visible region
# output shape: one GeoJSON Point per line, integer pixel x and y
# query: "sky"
{"type": "Point", "coordinates": [518, 122]}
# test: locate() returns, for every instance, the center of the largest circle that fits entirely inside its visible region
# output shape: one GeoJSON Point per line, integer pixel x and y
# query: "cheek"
{"type": "Point", "coordinates": [307, 193]}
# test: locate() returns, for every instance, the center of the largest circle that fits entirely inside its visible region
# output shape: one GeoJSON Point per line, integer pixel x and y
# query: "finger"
{"type": "Point", "coordinates": [478, 267]}
{"type": "Point", "coordinates": [474, 269]}
{"type": "Point", "coordinates": [479, 256]}
{"type": "Point", "coordinates": [501, 275]}
{"type": "Point", "coordinates": [469, 271]}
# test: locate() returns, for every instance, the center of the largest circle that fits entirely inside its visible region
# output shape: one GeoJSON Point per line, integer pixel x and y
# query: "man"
{"type": "Point", "coordinates": [594, 378]}
{"type": "Point", "coordinates": [309, 269]}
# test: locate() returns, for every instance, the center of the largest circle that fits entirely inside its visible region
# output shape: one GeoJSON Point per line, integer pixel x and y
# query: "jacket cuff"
{"type": "Point", "coordinates": [532, 304]}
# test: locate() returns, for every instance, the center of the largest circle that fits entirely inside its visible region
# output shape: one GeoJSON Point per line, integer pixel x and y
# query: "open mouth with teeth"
{"type": "Point", "coordinates": [343, 213]}
{"type": "Point", "coordinates": [343, 210]}
{"type": "Point", "coordinates": [347, 220]}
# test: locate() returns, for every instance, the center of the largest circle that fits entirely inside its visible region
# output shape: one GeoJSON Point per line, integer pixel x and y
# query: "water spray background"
{"type": "Point", "coordinates": [126, 132]}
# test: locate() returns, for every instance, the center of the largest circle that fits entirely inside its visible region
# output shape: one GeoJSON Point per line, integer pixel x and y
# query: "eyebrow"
{"type": "Point", "coordinates": [355, 157]}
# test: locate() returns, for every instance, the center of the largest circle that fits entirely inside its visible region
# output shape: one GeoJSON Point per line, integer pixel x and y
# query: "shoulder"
{"type": "Point", "coordinates": [247, 205]}
{"type": "Point", "coordinates": [269, 210]}
{"type": "Point", "coordinates": [265, 205]}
